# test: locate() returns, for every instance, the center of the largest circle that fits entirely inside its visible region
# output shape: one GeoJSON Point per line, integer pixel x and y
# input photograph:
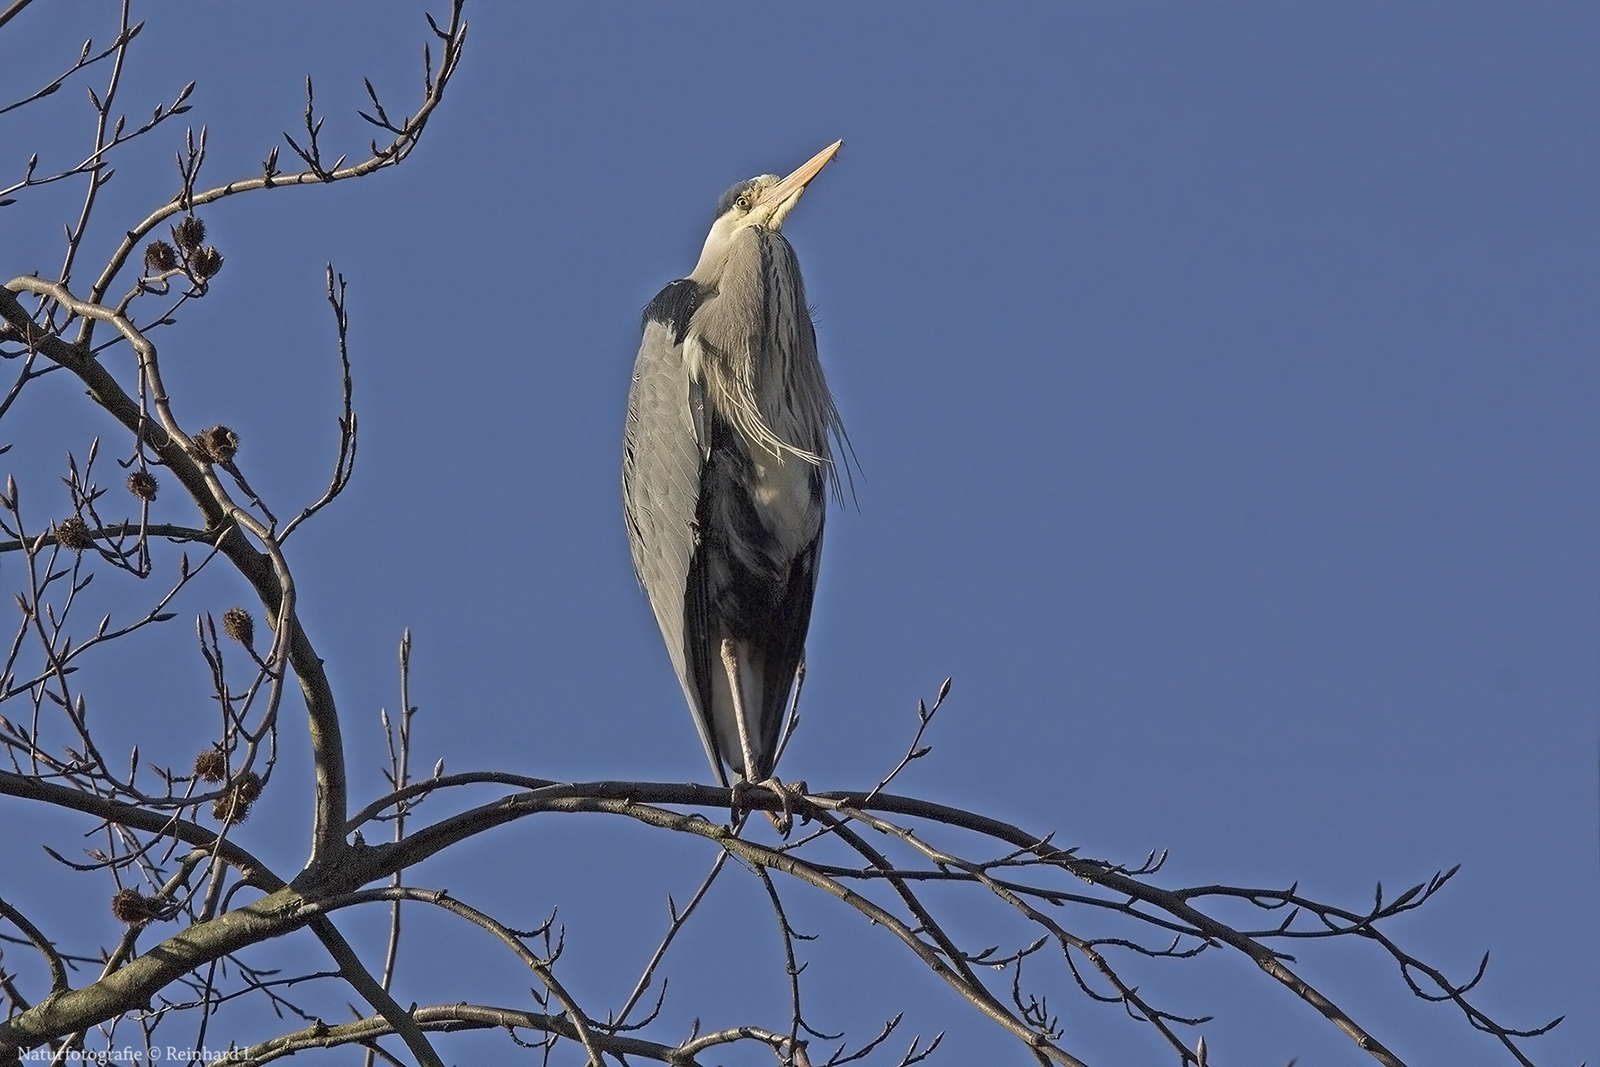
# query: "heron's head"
{"type": "Point", "coordinates": [764, 201]}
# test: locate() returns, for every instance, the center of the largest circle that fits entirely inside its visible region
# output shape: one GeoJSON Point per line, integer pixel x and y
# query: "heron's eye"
{"type": "Point", "coordinates": [743, 203]}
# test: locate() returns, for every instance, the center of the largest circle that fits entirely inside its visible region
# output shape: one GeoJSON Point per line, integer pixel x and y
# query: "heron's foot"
{"type": "Point", "coordinates": [782, 821]}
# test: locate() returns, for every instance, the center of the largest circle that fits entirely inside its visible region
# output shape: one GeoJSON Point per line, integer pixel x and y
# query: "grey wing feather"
{"type": "Point", "coordinates": [661, 468]}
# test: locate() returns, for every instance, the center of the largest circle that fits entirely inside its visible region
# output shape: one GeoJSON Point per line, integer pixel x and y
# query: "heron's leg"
{"type": "Point", "coordinates": [782, 823]}
{"type": "Point", "coordinates": [792, 721]}
{"type": "Point", "coordinates": [730, 663]}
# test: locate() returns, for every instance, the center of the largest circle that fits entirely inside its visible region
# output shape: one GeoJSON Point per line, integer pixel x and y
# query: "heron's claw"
{"type": "Point", "coordinates": [782, 821]}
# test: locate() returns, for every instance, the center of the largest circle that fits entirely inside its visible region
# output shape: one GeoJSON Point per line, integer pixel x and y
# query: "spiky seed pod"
{"type": "Point", "coordinates": [159, 257]}
{"type": "Point", "coordinates": [134, 908]}
{"type": "Point", "coordinates": [211, 765]}
{"type": "Point", "coordinates": [237, 624]}
{"type": "Point", "coordinates": [190, 233]}
{"type": "Point", "coordinates": [230, 808]}
{"type": "Point", "coordinates": [247, 786]}
{"type": "Point", "coordinates": [218, 444]}
{"type": "Point", "coordinates": [206, 263]}
{"type": "Point", "coordinates": [73, 533]}
{"type": "Point", "coordinates": [233, 807]}
{"type": "Point", "coordinates": [143, 485]}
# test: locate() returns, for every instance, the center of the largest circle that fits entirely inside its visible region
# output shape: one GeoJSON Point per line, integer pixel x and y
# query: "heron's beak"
{"type": "Point", "coordinates": [786, 194]}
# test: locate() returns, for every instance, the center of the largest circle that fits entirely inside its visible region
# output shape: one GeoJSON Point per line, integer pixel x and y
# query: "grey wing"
{"type": "Point", "coordinates": [662, 460]}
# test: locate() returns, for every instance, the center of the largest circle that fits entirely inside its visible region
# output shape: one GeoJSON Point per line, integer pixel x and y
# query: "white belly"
{"type": "Point", "coordinates": [783, 499]}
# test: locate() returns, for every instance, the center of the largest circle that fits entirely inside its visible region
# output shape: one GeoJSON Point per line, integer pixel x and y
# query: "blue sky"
{"type": "Point", "coordinates": [1223, 383]}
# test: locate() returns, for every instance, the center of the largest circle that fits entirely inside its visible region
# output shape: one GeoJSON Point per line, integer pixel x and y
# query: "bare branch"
{"type": "Point", "coordinates": [454, 38]}
{"type": "Point", "coordinates": [52, 958]}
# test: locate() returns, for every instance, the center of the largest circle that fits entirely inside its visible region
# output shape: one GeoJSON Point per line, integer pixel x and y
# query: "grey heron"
{"type": "Point", "coordinates": [725, 473]}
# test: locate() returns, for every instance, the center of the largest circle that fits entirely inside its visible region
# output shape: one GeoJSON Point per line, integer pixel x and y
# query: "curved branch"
{"type": "Point", "coordinates": [330, 885]}
{"type": "Point", "coordinates": [344, 464]}
{"type": "Point", "coordinates": [132, 986]}
{"type": "Point", "coordinates": [25, 787]}
{"type": "Point", "coordinates": [266, 570]}
{"type": "Point", "coordinates": [52, 958]}
{"type": "Point", "coordinates": [451, 1018]}
{"type": "Point", "coordinates": [1176, 905]}
{"type": "Point", "coordinates": [173, 531]}
{"type": "Point", "coordinates": [624, 798]}
{"type": "Point", "coordinates": [440, 899]}
{"type": "Point", "coordinates": [453, 38]}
